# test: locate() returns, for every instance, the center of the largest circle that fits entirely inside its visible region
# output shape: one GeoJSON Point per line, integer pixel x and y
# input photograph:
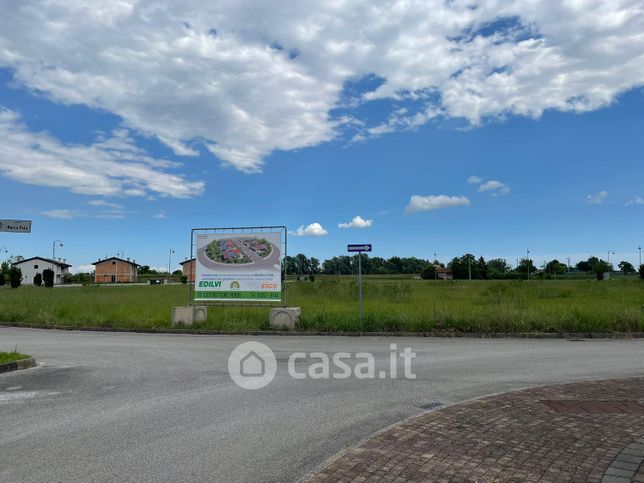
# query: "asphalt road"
{"type": "Point", "coordinates": [139, 407]}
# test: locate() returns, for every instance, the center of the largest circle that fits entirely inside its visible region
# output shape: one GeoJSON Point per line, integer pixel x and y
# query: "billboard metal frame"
{"type": "Point", "coordinates": [232, 231]}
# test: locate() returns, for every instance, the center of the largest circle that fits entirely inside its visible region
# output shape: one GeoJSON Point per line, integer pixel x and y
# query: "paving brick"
{"type": "Point", "coordinates": [511, 437]}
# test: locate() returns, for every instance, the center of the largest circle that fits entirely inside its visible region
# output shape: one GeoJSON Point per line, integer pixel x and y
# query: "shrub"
{"type": "Point", "coordinates": [312, 278]}
{"type": "Point", "coordinates": [15, 276]}
{"type": "Point", "coordinates": [48, 277]}
{"type": "Point", "coordinates": [599, 275]}
{"type": "Point", "coordinates": [428, 273]}
{"type": "Point", "coordinates": [38, 280]}
{"type": "Point", "coordinates": [184, 279]}
{"type": "Point", "coordinates": [2, 279]}
{"type": "Point", "coordinates": [642, 272]}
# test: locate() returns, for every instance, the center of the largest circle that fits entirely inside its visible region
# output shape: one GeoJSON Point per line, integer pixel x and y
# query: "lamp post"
{"type": "Point", "coordinates": [435, 268]}
{"type": "Point", "coordinates": [608, 255]}
{"type": "Point", "coordinates": [170, 261]}
{"type": "Point", "coordinates": [640, 250]}
{"type": "Point", "coordinates": [527, 261]}
{"type": "Point", "coordinates": [53, 248]}
{"type": "Point", "coordinates": [53, 255]}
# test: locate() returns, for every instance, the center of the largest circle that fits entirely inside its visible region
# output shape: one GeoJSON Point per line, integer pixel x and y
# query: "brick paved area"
{"type": "Point", "coordinates": [520, 436]}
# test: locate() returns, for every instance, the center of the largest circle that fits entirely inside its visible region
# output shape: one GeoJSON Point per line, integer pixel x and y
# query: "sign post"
{"type": "Point", "coordinates": [365, 247]}
{"type": "Point", "coordinates": [16, 226]}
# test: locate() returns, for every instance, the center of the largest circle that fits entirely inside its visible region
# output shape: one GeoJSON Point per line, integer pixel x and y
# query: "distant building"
{"type": "Point", "coordinates": [444, 273]}
{"type": "Point", "coordinates": [188, 269]}
{"type": "Point", "coordinates": [116, 270]}
{"type": "Point", "coordinates": [31, 266]}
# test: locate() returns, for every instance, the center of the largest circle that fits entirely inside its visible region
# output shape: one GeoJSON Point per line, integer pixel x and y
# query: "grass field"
{"type": "Point", "coordinates": [330, 304]}
{"type": "Point", "coordinates": [11, 356]}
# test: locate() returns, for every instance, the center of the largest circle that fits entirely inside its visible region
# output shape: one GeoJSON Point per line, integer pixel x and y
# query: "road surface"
{"type": "Point", "coordinates": [145, 407]}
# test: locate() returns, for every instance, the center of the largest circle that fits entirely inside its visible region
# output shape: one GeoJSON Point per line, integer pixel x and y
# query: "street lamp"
{"type": "Point", "coordinates": [435, 268]}
{"type": "Point", "coordinates": [170, 260]}
{"type": "Point", "coordinates": [608, 255]}
{"type": "Point", "coordinates": [640, 250]}
{"type": "Point", "coordinates": [53, 248]}
{"type": "Point", "coordinates": [527, 261]}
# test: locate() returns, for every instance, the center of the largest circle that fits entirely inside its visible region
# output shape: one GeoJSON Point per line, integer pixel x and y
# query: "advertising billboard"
{"type": "Point", "coordinates": [235, 267]}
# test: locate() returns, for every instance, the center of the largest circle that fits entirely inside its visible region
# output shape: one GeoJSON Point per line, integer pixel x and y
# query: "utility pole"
{"type": "Point", "coordinates": [640, 250]}
{"type": "Point", "coordinates": [53, 256]}
{"type": "Point", "coordinates": [469, 267]}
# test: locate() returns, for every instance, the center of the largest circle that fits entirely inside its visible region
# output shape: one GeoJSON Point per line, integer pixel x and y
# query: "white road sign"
{"type": "Point", "coordinates": [16, 226]}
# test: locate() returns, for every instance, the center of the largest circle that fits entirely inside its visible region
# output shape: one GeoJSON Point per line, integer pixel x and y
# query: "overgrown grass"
{"type": "Point", "coordinates": [12, 356]}
{"type": "Point", "coordinates": [330, 304]}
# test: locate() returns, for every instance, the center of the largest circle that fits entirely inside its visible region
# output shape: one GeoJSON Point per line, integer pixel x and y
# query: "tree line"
{"type": "Point", "coordinates": [463, 267]}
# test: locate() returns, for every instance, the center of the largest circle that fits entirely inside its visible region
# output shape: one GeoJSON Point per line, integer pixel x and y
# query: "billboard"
{"type": "Point", "coordinates": [235, 267]}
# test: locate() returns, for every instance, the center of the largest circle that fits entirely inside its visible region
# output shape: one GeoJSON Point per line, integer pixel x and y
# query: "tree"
{"type": "Point", "coordinates": [626, 267]}
{"type": "Point", "coordinates": [555, 267]}
{"type": "Point", "coordinates": [498, 265]}
{"type": "Point", "coordinates": [2, 279]}
{"type": "Point", "coordinates": [584, 266]}
{"type": "Point", "coordinates": [642, 272]}
{"type": "Point", "coordinates": [461, 267]}
{"type": "Point", "coordinates": [315, 266]}
{"type": "Point", "coordinates": [600, 268]}
{"type": "Point", "coordinates": [526, 266]}
{"type": "Point", "coordinates": [428, 273]}
{"type": "Point", "coordinates": [38, 280]}
{"type": "Point", "coordinates": [177, 273]}
{"type": "Point", "coordinates": [15, 276]}
{"type": "Point", "coordinates": [48, 277]}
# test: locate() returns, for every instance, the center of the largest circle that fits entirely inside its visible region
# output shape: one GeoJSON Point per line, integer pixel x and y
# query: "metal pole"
{"type": "Point", "coordinates": [640, 250]}
{"type": "Point", "coordinates": [435, 268]}
{"type": "Point", "coordinates": [169, 262]}
{"type": "Point", "coordinates": [360, 281]}
{"type": "Point", "coordinates": [469, 267]}
{"type": "Point", "coordinates": [527, 261]}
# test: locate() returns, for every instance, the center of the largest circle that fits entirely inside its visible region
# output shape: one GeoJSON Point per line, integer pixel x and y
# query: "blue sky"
{"type": "Point", "coordinates": [110, 148]}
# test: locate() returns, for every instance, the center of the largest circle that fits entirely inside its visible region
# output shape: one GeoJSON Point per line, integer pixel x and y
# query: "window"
{"type": "Point", "coordinates": [113, 263]}
{"type": "Point", "coordinates": [36, 267]}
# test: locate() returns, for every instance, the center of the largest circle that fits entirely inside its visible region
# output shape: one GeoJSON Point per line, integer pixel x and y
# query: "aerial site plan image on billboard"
{"type": "Point", "coordinates": [238, 267]}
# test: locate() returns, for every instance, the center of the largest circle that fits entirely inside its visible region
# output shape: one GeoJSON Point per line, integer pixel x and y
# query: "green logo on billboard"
{"type": "Point", "coordinates": [234, 284]}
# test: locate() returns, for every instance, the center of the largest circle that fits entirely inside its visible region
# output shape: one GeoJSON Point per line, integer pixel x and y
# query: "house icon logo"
{"type": "Point", "coordinates": [234, 285]}
{"type": "Point", "coordinates": [252, 365]}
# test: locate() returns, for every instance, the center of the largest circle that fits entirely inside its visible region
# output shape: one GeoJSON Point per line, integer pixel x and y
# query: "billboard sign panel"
{"type": "Point", "coordinates": [16, 226]}
{"type": "Point", "coordinates": [235, 267]}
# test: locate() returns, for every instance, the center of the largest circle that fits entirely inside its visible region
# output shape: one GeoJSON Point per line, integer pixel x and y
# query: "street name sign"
{"type": "Point", "coordinates": [16, 226]}
{"type": "Point", "coordinates": [365, 247]}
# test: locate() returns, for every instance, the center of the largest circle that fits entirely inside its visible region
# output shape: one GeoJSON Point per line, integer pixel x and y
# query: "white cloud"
{"type": "Point", "coordinates": [356, 222]}
{"type": "Point", "coordinates": [435, 202]}
{"type": "Point", "coordinates": [474, 180]}
{"type": "Point", "coordinates": [597, 199]}
{"type": "Point", "coordinates": [62, 214]}
{"type": "Point", "coordinates": [82, 269]}
{"type": "Point", "coordinates": [111, 166]}
{"type": "Point", "coordinates": [243, 78]}
{"type": "Point", "coordinates": [635, 200]}
{"type": "Point", "coordinates": [496, 187]}
{"type": "Point", "coordinates": [104, 203]}
{"type": "Point", "coordinates": [160, 215]}
{"type": "Point", "coordinates": [314, 229]}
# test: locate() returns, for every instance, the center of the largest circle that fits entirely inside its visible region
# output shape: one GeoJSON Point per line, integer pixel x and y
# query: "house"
{"type": "Point", "coordinates": [31, 266]}
{"type": "Point", "coordinates": [115, 270]}
{"type": "Point", "coordinates": [444, 273]}
{"type": "Point", "coordinates": [188, 269]}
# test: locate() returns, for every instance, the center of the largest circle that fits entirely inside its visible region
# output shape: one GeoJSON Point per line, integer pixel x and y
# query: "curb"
{"type": "Point", "coordinates": [17, 365]}
{"type": "Point", "coordinates": [445, 334]}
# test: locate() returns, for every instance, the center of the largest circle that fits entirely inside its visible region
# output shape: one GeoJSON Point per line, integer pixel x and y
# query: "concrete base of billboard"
{"type": "Point", "coordinates": [189, 315]}
{"type": "Point", "coordinates": [284, 317]}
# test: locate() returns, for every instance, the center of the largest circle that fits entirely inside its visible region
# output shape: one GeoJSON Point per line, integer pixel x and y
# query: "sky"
{"type": "Point", "coordinates": [421, 127]}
